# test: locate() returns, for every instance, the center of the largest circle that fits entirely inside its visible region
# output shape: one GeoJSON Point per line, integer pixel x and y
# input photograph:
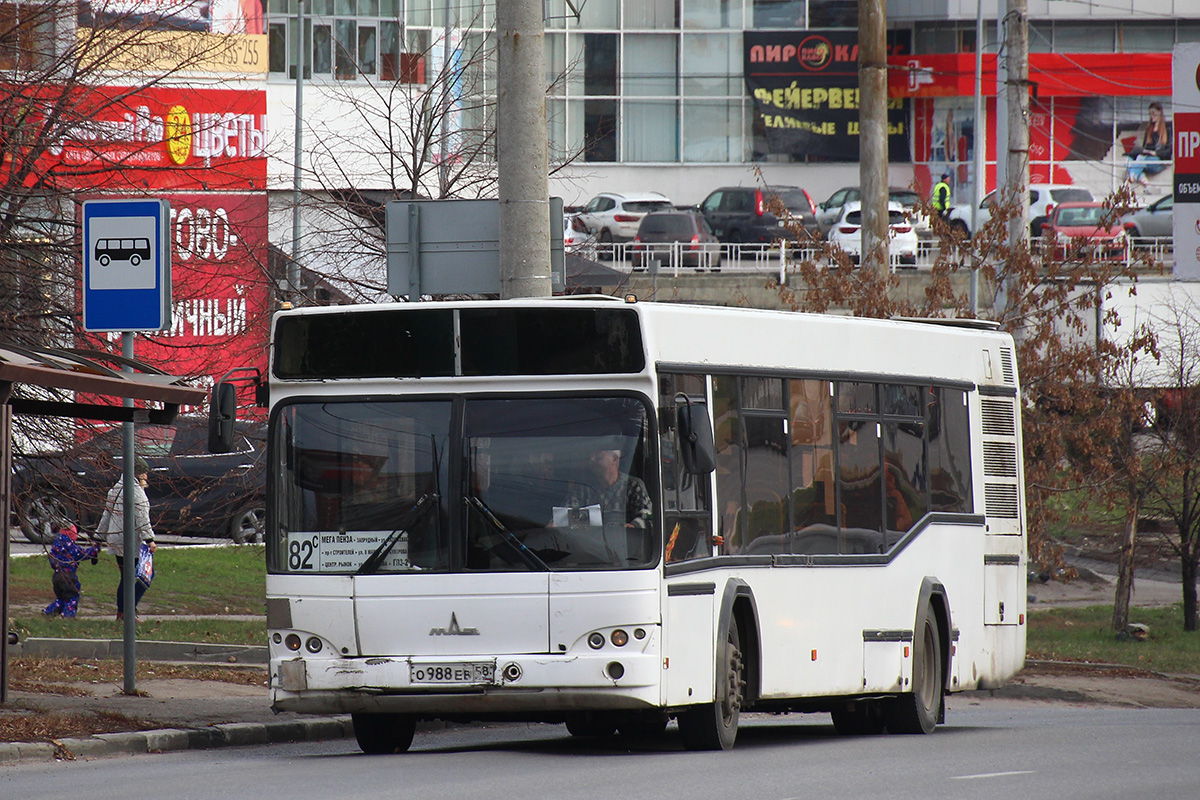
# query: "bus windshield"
{"type": "Point", "coordinates": [529, 484]}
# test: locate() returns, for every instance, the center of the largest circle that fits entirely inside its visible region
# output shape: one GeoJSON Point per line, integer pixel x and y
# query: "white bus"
{"type": "Point", "coordinates": [610, 514]}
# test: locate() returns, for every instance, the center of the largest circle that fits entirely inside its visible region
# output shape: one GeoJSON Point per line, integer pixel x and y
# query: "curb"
{"type": "Point", "coordinates": [233, 734]}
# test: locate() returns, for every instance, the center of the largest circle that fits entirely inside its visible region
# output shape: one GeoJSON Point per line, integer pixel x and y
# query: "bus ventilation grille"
{"type": "Point", "coordinates": [999, 419]}
{"type": "Point", "coordinates": [999, 460]}
{"type": "Point", "coordinates": [1000, 500]}
{"type": "Point", "coordinates": [1006, 366]}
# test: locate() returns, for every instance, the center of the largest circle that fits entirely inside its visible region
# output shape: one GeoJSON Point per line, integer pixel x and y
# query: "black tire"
{"type": "Point", "coordinates": [379, 734]}
{"type": "Point", "coordinates": [592, 724]}
{"type": "Point", "coordinates": [958, 228]}
{"type": "Point", "coordinates": [713, 726]}
{"type": "Point", "coordinates": [41, 512]}
{"type": "Point", "coordinates": [861, 718]}
{"type": "Point", "coordinates": [135, 260]}
{"type": "Point", "coordinates": [247, 524]}
{"type": "Point", "coordinates": [604, 245]}
{"type": "Point", "coordinates": [918, 711]}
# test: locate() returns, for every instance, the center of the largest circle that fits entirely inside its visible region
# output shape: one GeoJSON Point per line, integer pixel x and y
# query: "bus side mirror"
{"type": "Point", "coordinates": [695, 439]}
{"type": "Point", "coordinates": [222, 411]}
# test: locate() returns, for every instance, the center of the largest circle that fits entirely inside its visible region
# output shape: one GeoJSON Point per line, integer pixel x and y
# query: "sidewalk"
{"type": "Point", "coordinates": [179, 714]}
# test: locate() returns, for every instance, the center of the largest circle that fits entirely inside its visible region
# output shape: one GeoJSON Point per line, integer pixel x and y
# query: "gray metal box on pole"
{"type": "Point", "coordinates": [437, 247]}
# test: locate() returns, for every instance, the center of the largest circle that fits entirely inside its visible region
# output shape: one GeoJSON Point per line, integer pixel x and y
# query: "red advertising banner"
{"type": "Point", "coordinates": [154, 139]}
{"type": "Point", "coordinates": [1050, 74]}
{"type": "Point", "coordinates": [221, 288]}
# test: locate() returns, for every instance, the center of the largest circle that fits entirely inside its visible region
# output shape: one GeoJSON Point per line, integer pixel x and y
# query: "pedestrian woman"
{"type": "Point", "coordinates": [112, 524]}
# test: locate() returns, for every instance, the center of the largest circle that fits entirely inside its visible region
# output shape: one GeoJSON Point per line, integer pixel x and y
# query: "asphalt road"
{"type": "Point", "coordinates": [989, 749]}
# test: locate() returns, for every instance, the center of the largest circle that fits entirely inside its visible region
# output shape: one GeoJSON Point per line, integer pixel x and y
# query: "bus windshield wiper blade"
{"type": "Point", "coordinates": [531, 558]}
{"type": "Point", "coordinates": [414, 515]}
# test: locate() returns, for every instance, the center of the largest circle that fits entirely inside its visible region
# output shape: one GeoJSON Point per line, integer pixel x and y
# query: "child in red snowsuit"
{"type": "Point", "coordinates": [65, 555]}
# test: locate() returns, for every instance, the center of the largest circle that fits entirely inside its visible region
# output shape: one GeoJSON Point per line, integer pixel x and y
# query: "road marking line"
{"type": "Point", "coordinates": [991, 775]}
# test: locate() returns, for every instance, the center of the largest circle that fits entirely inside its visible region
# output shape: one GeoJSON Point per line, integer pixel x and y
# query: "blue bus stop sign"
{"type": "Point", "coordinates": [126, 265]}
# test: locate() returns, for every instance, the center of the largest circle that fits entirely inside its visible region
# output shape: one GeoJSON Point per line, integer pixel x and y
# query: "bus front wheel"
{"type": "Point", "coordinates": [378, 734]}
{"type": "Point", "coordinates": [917, 711]}
{"type": "Point", "coordinates": [713, 726]}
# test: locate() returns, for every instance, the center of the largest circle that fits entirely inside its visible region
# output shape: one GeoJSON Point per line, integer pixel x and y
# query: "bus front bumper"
{"type": "Point", "coordinates": [526, 684]}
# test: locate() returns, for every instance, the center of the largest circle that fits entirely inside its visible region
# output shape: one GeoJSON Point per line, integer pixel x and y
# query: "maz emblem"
{"type": "Point", "coordinates": [453, 629]}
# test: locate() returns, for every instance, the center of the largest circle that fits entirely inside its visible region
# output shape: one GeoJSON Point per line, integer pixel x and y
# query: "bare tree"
{"type": "Point", "coordinates": [430, 134]}
{"type": "Point", "coordinates": [1172, 449]}
{"type": "Point", "coordinates": [75, 123]}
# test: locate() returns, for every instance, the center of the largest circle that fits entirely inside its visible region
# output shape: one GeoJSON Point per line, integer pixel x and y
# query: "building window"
{"type": "Point", "coordinates": [350, 40]}
{"type": "Point", "coordinates": [780, 14]}
{"type": "Point", "coordinates": [601, 64]}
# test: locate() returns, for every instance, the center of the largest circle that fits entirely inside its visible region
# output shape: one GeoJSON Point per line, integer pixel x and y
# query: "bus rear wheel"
{"type": "Point", "coordinates": [713, 726]}
{"type": "Point", "coordinates": [378, 734]}
{"type": "Point", "coordinates": [917, 711]}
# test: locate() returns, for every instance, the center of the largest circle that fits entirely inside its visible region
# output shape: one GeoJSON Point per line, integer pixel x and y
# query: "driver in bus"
{"type": "Point", "coordinates": [621, 497]}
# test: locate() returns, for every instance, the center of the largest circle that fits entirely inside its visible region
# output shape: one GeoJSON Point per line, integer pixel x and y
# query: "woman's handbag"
{"type": "Point", "coordinates": [145, 566]}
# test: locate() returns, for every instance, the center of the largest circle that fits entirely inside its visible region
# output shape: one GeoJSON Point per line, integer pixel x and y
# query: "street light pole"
{"type": "Point", "coordinates": [293, 268]}
{"type": "Point", "coordinates": [872, 134]}
{"type": "Point", "coordinates": [524, 185]}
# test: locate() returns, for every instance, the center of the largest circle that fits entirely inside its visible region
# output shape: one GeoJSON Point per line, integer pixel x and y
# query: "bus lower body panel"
{"type": "Point", "coordinates": [519, 686]}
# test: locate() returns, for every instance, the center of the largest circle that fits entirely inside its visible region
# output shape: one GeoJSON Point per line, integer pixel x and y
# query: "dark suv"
{"type": "Point", "coordinates": [675, 238]}
{"type": "Point", "coordinates": [190, 489]}
{"type": "Point", "coordinates": [742, 213]}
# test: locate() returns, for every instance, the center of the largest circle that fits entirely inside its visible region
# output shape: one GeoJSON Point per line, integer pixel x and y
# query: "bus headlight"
{"type": "Point", "coordinates": [313, 645]}
{"type": "Point", "coordinates": [620, 638]}
{"type": "Point", "coordinates": [595, 640]}
{"type": "Point", "coordinates": [292, 642]}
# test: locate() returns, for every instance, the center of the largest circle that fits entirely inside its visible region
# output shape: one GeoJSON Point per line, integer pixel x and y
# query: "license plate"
{"type": "Point", "coordinates": [472, 672]}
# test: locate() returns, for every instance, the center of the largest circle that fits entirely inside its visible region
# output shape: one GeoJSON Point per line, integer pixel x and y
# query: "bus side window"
{"type": "Point", "coordinates": [687, 519]}
{"type": "Point", "coordinates": [813, 506]}
{"type": "Point", "coordinates": [727, 435]}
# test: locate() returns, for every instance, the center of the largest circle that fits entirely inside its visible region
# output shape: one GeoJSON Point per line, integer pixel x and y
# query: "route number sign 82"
{"type": "Point", "coordinates": [302, 553]}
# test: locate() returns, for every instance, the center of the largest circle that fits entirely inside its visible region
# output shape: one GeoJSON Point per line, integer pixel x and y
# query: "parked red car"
{"type": "Point", "coordinates": [1076, 230]}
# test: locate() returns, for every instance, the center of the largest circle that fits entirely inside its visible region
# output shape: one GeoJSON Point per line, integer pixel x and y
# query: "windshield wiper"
{"type": "Point", "coordinates": [531, 558]}
{"type": "Point", "coordinates": [414, 515]}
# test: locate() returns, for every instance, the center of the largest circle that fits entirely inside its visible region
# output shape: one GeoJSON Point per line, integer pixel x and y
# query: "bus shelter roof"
{"type": "Point", "coordinates": [93, 373]}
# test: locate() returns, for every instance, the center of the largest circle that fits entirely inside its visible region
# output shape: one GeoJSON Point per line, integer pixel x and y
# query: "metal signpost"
{"type": "Point", "coordinates": [127, 288]}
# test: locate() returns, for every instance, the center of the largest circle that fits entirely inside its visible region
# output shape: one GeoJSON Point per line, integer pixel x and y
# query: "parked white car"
{"type": "Point", "coordinates": [846, 233]}
{"type": "Point", "coordinates": [576, 238]}
{"type": "Point", "coordinates": [615, 217]}
{"type": "Point", "coordinates": [1043, 197]}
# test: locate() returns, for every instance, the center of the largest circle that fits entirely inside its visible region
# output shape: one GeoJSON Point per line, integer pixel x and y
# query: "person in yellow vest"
{"type": "Point", "coordinates": [940, 199]}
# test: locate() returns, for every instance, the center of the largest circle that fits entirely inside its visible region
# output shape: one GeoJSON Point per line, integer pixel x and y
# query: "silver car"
{"type": "Point", "coordinates": [1155, 221]}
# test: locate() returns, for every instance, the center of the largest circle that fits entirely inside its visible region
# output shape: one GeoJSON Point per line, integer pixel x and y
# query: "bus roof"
{"type": "Point", "coordinates": [679, 336]}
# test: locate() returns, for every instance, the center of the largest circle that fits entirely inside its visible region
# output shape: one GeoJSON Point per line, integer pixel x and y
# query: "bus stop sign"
{"type": "Point", "coordinates": [126, 265]}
